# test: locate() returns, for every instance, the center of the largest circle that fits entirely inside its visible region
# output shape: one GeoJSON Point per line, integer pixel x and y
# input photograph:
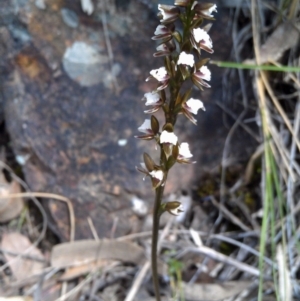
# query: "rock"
{"type": "Point", "coordinates": [84, 64]}
{"type": "Point", "coordinates": [40, 4]}
{"type": "Point", "coordinates": [87, 6]}
{"type": "Point", "coordinates": [70, 18]}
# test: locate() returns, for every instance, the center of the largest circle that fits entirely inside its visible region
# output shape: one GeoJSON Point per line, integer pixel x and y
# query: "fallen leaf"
{"type": "Point", "coordinates": [213, 291]}
{"type": "Point", "coordinates": [278, 42]}
{"type": "Point", "coordinates": [87, 251]}
{"type": "Point", "coordinates": [21, 267]}
{"type": "Point", "coordinates": [9, 207]}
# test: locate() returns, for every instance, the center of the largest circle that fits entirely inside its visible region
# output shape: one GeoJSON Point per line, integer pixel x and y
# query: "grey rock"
{"type": "Point", "coordinates": [19, 33]}
{"type": "Point", "coordinates": [69, 17]}
{"type": "Point", "coordinates": [40, 4]}
{"type": "Point", "coordinates": [84, 64]}
{"type": "Point", "coordinates": [87, 6]}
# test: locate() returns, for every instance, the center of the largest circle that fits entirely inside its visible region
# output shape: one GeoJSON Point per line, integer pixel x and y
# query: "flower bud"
{"type": "Point", "coordinates": [205, 10]}
{"type": "Point", "coordinates": [174, 208]}
{"type": "Point", "coordinates": [165, 49]}
{"type": "Point", "coordinates": [177, 36]}
{"type": "Point", "coordinates": [163, 32]}
{"type": "Point", "coordinates": [154, 124]}
{"type": "Point", "coordinates": [168, 13]}
{"type": "Point", "coordinates": [148, 162]}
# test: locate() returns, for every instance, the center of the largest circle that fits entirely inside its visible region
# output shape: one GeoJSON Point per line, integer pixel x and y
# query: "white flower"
{"type": "Point", "coordinates": [152, 98]}
{"type": "Point", "coordinates": [168, 13]}
{"type": "Point", "coordinates": [206, 74]}
{"type": "Point", "coordinates": [193, 5]}
{"type": "Point", "coordinates": [161, 29]}
{"type": "Point", "coordinates": [168, 137]}
{"type": "Point", "coordinates": [202, 36]}
{"type": "Point", "coordinates": [193, 105]}
{"type": "Point", "coordinates": [146, 127]}
{"type": "Point", "coordinates": [204, 9]}
{"type": "Point", "coordinates": [186, 59]}
{"type": "Point", "coordinates": [199, 77]}
{"type": "Point", "coordinates": [160, 74]}
{"type": "Point", "coordinates": [210, 10]}
{"type": "Point", "coordinates": [164, 13]}
{"type": "Point", "coordinates": [162, 32]}
{"type": "Point", "coordinates": [184, 150]}
{"type": "Point", "coordinates": [157, 174]}
{"type": "Point", "coordinates": [176, 211]}
{"type": "Point", "coordinates": [139, 206]}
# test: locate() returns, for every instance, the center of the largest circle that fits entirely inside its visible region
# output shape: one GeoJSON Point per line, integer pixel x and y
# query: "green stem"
{"type": "Point", "coordinates": [156, 216]}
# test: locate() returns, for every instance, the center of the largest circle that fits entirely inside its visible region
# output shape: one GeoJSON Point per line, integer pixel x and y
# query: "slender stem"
{"type": "Point", "coordinates": [156, 216]}
{"type": "Point", "coordinates": [170, 116]}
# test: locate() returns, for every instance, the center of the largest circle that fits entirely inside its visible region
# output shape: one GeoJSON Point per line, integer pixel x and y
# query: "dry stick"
{"type": "Point", "coordinates": [50, 196]}
{"type": "Point", "coordinates": [222, 258]}
{"type": "Point", "coordinates": [93, 229]}
{"type": "Point", "coordinates": [224, 157]}
{"type": "Point", "coordinates": [281, 149]}
{"type": "Point", "coordinates": [291, 221]}
{"type": "Point", "coordinates": [245, 210]}
{"type": "Point", "coordinates": [276, 155]}
{"type": "Point", "coordinates": [279, 108]}
{"type": "Point", "coordinates": [221, 237]}
{"type": "Point", "coordinates": [148, 233]}
{"type": "Point", "coordinates": [250, 165]}
{"type": "Point", "coordinates": [138, 281]}
{"type": "Point", "coordinates": [25, 256]}
{"type": "Point", "coordinates": [96, 237]}
{"type": "Point", "coordinates": [76, 289]}
{"type": "Point", "coordinates": [32, 279]}
{"type": "Point", "coordinates": [293, 9]}
{"type": "Point", "coordinates": [289, 75]}
{"type": "Point", "coordinates": [245, 247]}
{"type": "Point", "coordinates": [243, 125]}
{"type": "Point", "coordinates": [46, 275]}
{"type": "Point", "coordinates": [227, 213]}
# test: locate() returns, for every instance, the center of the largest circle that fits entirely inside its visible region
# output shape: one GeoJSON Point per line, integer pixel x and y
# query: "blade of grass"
{"type": "Point", "coordinates": [255, 67]}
